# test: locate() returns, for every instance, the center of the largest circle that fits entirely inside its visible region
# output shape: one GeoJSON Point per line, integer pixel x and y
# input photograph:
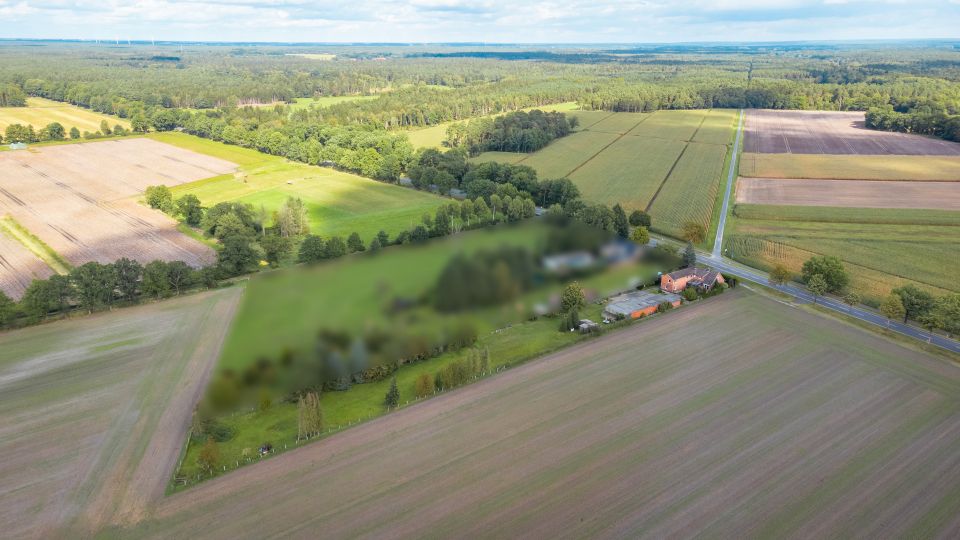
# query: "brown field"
{"type": "Point", "coordinates": [94, 412]}
{"type": "Point", "coordinates": [18, 267]}
{"type": "Point", "coordinates": [80, 199]}
{"type": "Point", "coordinates": [768, 421]}
{"type": "Point", "coordinates": [849, 193]}
{"type": "Point", "coordinates": [829, 132]}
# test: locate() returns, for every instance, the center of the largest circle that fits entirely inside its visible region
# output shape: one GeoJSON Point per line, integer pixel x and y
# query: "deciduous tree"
{"type": "Point", "coordinates": [818, 286]}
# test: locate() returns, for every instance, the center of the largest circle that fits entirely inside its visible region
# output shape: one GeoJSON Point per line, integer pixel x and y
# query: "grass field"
{"type": "Point", "coordinates": [39, 112]}
{"type": "Point", "coordinates": [339, 203]}
{"type": "Point", "coordinates": [882, 248]}
{"type": "Point", "coordinates": [345, 294]}
{"type": "Point", "coordinates": [847, 167]}
{"type": "Point", "coordinates": [94, 411]}
{"type": "Point", "coordinates": [767, 419]}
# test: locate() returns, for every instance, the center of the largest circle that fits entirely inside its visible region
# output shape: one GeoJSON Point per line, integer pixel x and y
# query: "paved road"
{"type": "Point", "coordinates": [718, 261]}
{"type": "Point", "coordinates": [718, 242]}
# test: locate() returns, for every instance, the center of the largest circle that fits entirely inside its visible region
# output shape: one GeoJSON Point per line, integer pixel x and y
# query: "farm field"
{"type": "Point", "coordinates": [832, 132]}
{"type": "Point", "coordinates": [851, 193]}
{"type": "Point", "coordinates": [881, 251]}
{"type": "Point", "coordinates": [690, 192]}
{"type": "Point", "coordinates": [632, 159]}
{"type": "Point", "coordinates": [94, 411]}
{"type": "Point", "coordinates": [39, 112]}
{"type": "Point", "coordinates": [767, 419]}
{"type": "Point", "coordinates": [18, 265]}
{"type": "Point", "coordinates": [338, 203]}
{"type": "Point", "coordinates": [907, 168]}
{"type": "Point", "coordinates": [629, 171]}
{"type": "Point", "coordinates": [80, 199]}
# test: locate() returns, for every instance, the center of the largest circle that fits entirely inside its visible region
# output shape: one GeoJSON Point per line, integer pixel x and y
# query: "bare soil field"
{"type": "Point", "coordinates": [18, 267]}
{"type": "Point", "coordinates": [94, 412]}
{"type": "Point", "coordinates": [832, 132]}
{"type": "Point", "coordinates": [769, 421]}
{"type": "Point", "coordinates": [80, 199]}
{"type": "Point", "coordinates": [849, 193]}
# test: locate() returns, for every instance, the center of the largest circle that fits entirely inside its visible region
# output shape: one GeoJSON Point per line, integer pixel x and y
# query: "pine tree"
{"type": "Point", "coordinates": [392, 398]}
{"type": "Point", "coordinates": [689, 256]}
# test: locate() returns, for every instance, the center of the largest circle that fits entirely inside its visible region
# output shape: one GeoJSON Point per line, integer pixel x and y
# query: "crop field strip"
{"type": "Point", "coordinates": [95, 409]}
{"type": "Point", "coordinates": [690, 192]}
{"type": "Point", "coordinates": [832, 132]}
{"type": "Point", "coordinates": [839, 167]}
{"type": "Point", "coordinates": [850, 193]}
{"type": "Point", "coordinates": [80, 199]}
{"type": "Point", "coordinates": [39, 112]}
{"type": "Point", "coordinates": [768, 419]}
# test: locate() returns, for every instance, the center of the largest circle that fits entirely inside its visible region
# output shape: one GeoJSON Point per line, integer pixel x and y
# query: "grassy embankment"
{"type": "Point", "coordinates": [338, 203]}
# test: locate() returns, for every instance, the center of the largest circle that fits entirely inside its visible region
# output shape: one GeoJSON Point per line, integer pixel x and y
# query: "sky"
{"type": "Point", "coordinates": [513, 21]}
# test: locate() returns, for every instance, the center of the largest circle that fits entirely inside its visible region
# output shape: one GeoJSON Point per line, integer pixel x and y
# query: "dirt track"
{"type": "Point", "coordinates": [80, 199]}
{"type": "Point", "coordinates": [832, 132]}
{"type": "Point", "coordinates": [94, 411]}
{"type": "Point", "coordinates": [767, 421]}
{"type": "Point", "coordinates": [849, 193]}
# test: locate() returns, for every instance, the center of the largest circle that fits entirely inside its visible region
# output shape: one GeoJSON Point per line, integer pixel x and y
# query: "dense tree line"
{"type": "Point", "coordinates": [513, 132]}
{"type": "Point", "coordinates": [936, 122]}
{"type": "Point", "coordinates": [484, 278]}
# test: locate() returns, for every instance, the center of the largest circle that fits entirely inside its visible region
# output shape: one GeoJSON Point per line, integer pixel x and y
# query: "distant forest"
{"type": "Point", "coordinates": [907, 87]}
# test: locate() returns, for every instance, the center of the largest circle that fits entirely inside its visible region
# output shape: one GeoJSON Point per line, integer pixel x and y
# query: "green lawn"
{"type": "Point", "coordinates": [339, 203]}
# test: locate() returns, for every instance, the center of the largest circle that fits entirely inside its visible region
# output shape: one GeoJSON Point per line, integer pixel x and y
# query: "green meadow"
{"type": "Point", "coordinates": [338, 203]}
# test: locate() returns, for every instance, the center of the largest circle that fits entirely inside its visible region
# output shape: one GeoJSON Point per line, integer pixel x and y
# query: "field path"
{"type": "Point", "coordinates": [731, 174]}
{"type": "Point", "coordinates": [764, 419]}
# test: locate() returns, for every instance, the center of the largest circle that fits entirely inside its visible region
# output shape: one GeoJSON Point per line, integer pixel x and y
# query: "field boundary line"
{"type": "Point", "coordinates": [693, 137]}
{"type": "Point", "coordinates": [667, 177]}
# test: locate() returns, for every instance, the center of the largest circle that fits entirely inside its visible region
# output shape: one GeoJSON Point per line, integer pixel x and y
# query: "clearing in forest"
{"type": "Point", "coordinates": [95, 409]}
{"type": "Point", "coordinates": [39, 112]}
{"type": "Point", "coordinates": [768, 419]}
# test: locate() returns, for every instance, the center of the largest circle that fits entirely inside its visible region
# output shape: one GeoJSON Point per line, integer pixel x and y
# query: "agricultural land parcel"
{"type": "Point", "coordinates": [358, 293]}
{"type": "Point", "coordinates": [80, 201]}
{"type": "Point", "coordinates": [669, 163]}
{"type": "Point", "coordinates": [39, 112]}
{"type": "Point", "coordinates": [338, 203]}
{"type": "Point", "coordinates": [94, 411]}
{"type": "Point", "coordinates": [883, 248]}
{"type": "Point", "coordinates": [768, 419]}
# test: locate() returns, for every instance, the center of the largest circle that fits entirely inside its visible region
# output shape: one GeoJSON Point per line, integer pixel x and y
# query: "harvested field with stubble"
{"type": "Point", "coordinates": [94, 412]}
{"type": "Point", "coordinates": [18, 266]}
{"type": "Point", "coordinates": [851, 193]}
{"type": "Point", "coordinates": [81, 199]}
{"type": "Point", "coordinates": [769, 421]}
{"type": "Point", "coordinates": [832, 132]}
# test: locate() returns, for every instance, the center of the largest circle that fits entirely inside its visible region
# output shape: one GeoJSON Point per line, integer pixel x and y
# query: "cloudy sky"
{"type": "Point", "coordinates": [513, 21]}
